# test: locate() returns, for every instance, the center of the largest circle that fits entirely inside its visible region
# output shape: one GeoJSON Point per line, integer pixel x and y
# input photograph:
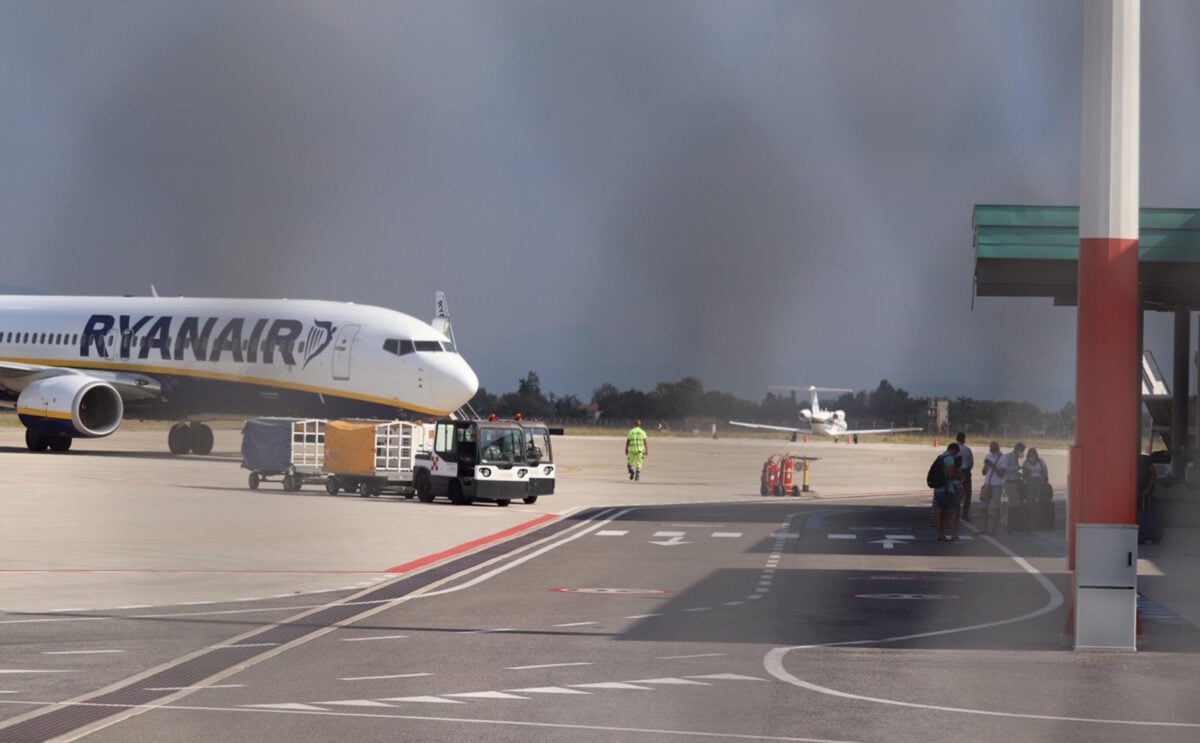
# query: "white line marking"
{"type": "Point", "coordinates": [547, 665]}
{"type": "Point", "coordinates": [358, 703]}
{"type": "Point", "coordinates": [699, 608]}
{"type": "Point", "coordinates": [842, 536]}
{"type": "Point", "coordinates": [643, 616]}
{"type": "Point", "coordinates": [576, 624]}
{"type": "Point", "coordinates": [196, 688]}
{"type": "Point", "coordinates": [485, 631]}
{"type": "Point", "coordinates": [549, 690]}
{"type": "Point", "coordinates": [430, 700]}
{"type": "Point", "coordinates": [31, 670]}
{"type": "Point", "coordinates": [369, 639]}
{"type": "Point", "coordinates": [313, 711]}
{"type": "Point", "coordinates": [727, 534]}
{"type": "Point", "coordinates": [773, 661]}
{"type": "Point", "coordinates": [290, 706]}
{"type": "Point", "coordinates": [612, 533]}
{"type": "Point", "coordinates": [727, 677]}
{"type": "Point", "coordinates": [674, 681]}
{"type": "Point", "coordinates": [611, 685]}
{"type": "Point", "coordinates": [487, 695]}
{"type": "Point", "coordinates": [670, 533]}
{"type": "Point", "coordinates": [381, 678]}
{"type": "Point", "coordinates": [81, 652]}
{"type": "Point", "coordinates": [688, 657]}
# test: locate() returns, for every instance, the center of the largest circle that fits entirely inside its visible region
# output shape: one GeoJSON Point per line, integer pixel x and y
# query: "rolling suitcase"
{"type": "Point", "coordinates": [1150, 527]}
{"type": "Point", "coordinates": [1044, 516]}
{"type": "Point", "coordinates": [1018, 518]}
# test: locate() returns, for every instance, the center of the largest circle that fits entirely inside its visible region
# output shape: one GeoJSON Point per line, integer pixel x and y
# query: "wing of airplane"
{"type": "Point", "coordinates": [787, 429]}
{"type": "Point", "coordinates": [15, 377]}
{"type": "Point", "coordinates": [878, 430]}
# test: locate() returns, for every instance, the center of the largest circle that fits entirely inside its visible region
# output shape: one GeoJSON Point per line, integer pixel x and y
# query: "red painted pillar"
{"type": "Point", "coordinates": [1104, 459]}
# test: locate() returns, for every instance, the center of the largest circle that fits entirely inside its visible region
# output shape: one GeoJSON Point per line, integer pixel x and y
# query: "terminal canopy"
{"type": "Point", "coordinates": [1033, 251]}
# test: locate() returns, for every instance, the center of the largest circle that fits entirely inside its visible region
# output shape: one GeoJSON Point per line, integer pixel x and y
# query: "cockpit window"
{"type": "Point", "coordinates": [398, 346]}
{"type": "Point", "coordinates": [429, 345]}
{"type": "Point", "coordinates": [401, 346]}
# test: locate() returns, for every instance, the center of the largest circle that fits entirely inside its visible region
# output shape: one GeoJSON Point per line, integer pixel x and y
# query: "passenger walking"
{"type": "Point", "coordinates": [945, 498]}
{"type": "Point", "coordinates": [992, 490]}
{"type": "Point", "coordinates": [635, 450]}
{"type": "Point", "coordinates": [968, 463]}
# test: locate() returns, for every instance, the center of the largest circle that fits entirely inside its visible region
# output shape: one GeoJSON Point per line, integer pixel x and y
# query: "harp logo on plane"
{"type": "Point", "coordinates": [169, 338]}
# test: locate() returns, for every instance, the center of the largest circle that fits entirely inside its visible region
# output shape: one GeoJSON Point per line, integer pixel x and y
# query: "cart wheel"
{"type": "Point", "coordinates": [254, 480]}
{"type": "Point", "coordinates": [423, 486]}
{"type": "Point", "coordinates": [779, 490]}
{"type": "Point", "coordinates": [364, 490]}
{"type": "Point", "coordinates": [289, 483]}
{"type": "Point", "coordinates": [502, 502]}
{"type": "Point", "coordinates": [331, 485]}
{"type": "Point", "coordinates": [529, 499]}
{"type": "Point", "coordinates": [795, 491]}
{"type": "Point", "coordinates": [763, 490]}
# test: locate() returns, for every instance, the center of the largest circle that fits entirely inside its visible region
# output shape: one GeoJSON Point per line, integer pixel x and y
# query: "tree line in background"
{"type": "Point", "coordinates": [686, 404]}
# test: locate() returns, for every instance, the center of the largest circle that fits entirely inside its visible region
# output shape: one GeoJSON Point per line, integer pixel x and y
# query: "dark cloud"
{"type": "Point", "coordinates": [752, 193]}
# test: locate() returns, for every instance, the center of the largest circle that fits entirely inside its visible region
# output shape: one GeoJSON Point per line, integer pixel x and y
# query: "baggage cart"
{"type": "Point", "coordinates": [372, 457]}
{"type": "Point", "coordinates": [292, 449]}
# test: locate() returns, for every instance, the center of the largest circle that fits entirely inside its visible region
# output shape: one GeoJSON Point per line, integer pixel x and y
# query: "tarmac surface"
{"type": "Point", "coordinates": [118, 522]}
{"type": "Point", "coordinates": [132, 582]}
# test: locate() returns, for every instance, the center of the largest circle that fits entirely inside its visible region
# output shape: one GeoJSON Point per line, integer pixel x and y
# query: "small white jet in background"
{"type": "Point", "coordinates": [821, 422]}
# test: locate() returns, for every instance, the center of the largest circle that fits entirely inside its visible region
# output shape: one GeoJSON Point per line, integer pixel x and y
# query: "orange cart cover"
{"type": "Point", "coordinates": [350, 447]}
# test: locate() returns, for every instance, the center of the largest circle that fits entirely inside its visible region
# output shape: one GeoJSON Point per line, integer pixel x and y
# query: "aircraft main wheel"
{"type": "Point", "coordinates": [35, 441]}
{"type": "Point", "coordinates": [331, 485]}
{"type": "Point", "coordinates": [530, 499]}
{"type": "Point", "coordinates": [202, 438]}
{"type": "Point", "coordinates": [60, 443]}
{"type": "Point", "coordinates": [254, 480]}
{"type": "Point", "coordinates": [179, 439]}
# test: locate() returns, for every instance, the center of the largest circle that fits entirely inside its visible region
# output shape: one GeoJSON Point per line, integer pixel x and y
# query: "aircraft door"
{"type": "Point", "coordinates": [341, 350]}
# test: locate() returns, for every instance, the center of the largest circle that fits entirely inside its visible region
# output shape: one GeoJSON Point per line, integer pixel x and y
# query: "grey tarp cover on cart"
{"type": "Point", "coordinates": [267, 444]}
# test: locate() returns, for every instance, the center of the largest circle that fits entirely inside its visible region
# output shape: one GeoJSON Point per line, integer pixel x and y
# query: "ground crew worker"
{"type": "Point", "coordinates": [635, 450]}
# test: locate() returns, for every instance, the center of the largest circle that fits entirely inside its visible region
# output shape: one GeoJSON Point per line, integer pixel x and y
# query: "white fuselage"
{"type": "Point", "coordinates": [199, 358]}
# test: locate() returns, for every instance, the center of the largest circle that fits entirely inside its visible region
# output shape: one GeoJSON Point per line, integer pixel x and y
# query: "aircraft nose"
{"type": "Point", "coordinates": [455, 384]}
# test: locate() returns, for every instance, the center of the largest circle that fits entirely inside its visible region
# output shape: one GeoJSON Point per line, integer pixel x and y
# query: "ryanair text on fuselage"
{"type": "Point", "coordinates": [195, 335]}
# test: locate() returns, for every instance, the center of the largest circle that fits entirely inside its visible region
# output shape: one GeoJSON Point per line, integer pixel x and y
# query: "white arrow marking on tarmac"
{"type": "Point", "coordinates": [889, 543]}
{"type": "Point", "coordinates": [676, 538]}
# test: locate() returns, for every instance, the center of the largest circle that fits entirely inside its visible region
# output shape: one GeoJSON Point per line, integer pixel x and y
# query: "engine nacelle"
{"type": "Point", "coordinates": [71, 405]}
{"type": "Point", "coordinates": [806, 414]}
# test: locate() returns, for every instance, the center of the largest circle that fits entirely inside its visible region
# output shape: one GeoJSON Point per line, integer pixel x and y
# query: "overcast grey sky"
{"type": "Point", "coordinates": [613, 191]}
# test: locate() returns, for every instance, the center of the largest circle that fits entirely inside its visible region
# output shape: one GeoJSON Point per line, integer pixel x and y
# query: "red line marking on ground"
{"type": "Point", "coordinates": [465, 546]}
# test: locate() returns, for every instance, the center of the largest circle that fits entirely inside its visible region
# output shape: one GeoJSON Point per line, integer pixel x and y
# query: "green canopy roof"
{"type": "Point", "coordinates": [1033, 251]}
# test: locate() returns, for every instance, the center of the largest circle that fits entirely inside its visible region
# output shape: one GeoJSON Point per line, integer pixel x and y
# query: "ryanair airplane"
{"type": "Point", "coordinates": [78, 366]}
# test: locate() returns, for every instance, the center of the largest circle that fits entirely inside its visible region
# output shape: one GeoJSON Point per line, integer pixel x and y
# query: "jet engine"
{"type": "Point", "coordinates": [71, 405]}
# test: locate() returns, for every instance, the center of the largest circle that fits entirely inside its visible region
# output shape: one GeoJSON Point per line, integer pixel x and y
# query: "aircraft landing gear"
{"type": "Point", "coordinates": [196, 438]}
{"type": "Point", "coordinates": [35, 441]}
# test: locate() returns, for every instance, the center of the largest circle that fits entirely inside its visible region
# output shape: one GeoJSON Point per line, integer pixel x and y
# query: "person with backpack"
{"type": "Point", "coordinates": [943, 477]}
